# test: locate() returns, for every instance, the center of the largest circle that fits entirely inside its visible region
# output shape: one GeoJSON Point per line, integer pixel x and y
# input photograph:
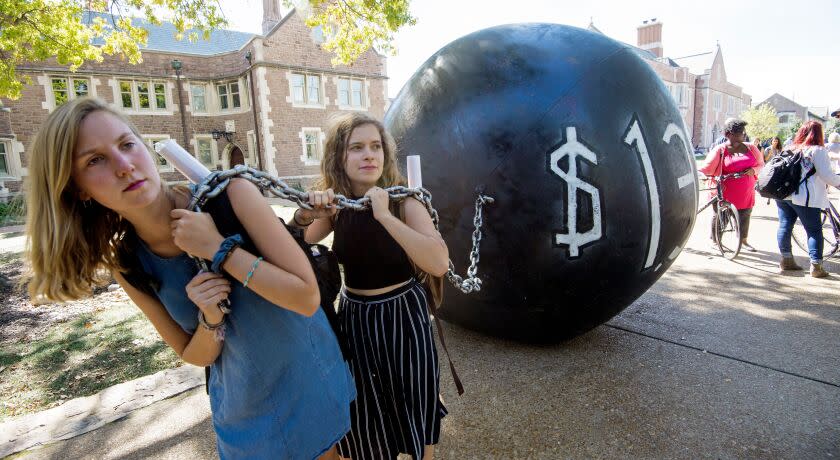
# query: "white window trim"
{"type": "Point", "coordinates": [214, 149]}
{"type": "Point", "coordinates": [251, 138]}
{"type": "Point", "coordinates": [291, 98]}
{"type": "Point", "coordinates": [158, 138]}
{"type": "Point", "coordinates": [45, 80]}
{"type": "Point", "coordinates": [135, 99]}
{"type": "Point", "coordinates": [365, 94]}
{"type": "Point", "coordinates": [13, 150]}
{"type": "Point", "coordinates": [302, 135]}
{"type": "Point", "coordinates": [207, 102]}
{"type": "Point", "coordinates": [717, 101]}
{"type": "Point", "coordinates": [243, 96]}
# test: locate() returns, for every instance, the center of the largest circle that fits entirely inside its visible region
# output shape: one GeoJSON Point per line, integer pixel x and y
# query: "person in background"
{"type": "Point", "coordinates": [833, 148]}
{"type": "Point", "coordinates": [807, 203]}
{"type": "Point", "coordinates": [736, 156]}
{"type": "Point", "coordinates": [773, 149]}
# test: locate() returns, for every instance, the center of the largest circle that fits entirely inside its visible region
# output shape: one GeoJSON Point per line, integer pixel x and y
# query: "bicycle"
{"type": "Point", "coordinates": [830, 219]}
{"type": "Point", "coordinates": [726, 226]}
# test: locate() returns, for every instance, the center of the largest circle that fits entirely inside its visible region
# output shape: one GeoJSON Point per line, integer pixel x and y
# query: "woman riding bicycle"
{"type": "Point", "coordinates": [735, 156]}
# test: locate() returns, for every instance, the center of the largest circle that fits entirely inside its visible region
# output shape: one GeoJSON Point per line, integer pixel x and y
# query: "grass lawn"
{"type": "Point", "coordinates": [112, 344]}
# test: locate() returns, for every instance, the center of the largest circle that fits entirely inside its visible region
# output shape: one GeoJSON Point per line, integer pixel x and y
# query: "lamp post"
{"type": "Point", "coordinates": [249, 57]}
{"type": "Point", "coordinates": [176, 66]}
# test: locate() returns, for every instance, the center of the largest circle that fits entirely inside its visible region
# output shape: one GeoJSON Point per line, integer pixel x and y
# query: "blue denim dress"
{"type": "Point", "coordinates": [280, 388]}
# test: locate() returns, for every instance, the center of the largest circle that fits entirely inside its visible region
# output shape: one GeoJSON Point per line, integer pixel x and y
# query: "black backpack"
{"type": "Point", "coordinates": [782, 175]}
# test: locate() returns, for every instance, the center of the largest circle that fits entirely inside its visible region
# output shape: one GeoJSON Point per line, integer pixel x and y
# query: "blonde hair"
{"type": "Point", "coordinates": [72, 245]}
{"type": "Point", "coordinates": [333, 173]}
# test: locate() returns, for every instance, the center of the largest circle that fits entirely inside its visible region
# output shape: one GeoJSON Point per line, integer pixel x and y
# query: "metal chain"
{"type": "Point", "coordinates": [212, 185]}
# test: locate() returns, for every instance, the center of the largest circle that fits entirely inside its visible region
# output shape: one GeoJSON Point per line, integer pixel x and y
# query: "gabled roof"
{"type": "Point", "coordinates": [162, 38]}
{"type": "Point", "coordinates": [783, 104]}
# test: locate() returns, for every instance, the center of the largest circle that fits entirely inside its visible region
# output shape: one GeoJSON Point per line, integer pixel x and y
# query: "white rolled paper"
{"type": "Point", "coordinates": [187, 164]}
{"type": "Point", "coordinates": [415, 175]}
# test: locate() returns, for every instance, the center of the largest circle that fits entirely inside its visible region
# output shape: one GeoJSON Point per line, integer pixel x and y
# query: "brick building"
{"type": "Point", "coordinates": [697, 83]}
{"type": "Point", "coordinates": [256, 99]}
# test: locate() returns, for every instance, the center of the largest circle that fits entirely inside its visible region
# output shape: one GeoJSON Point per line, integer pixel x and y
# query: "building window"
{"type": "Point", "coordinates": [204, 153]}
{"type": "Point", "coordinates": [252, 145]}
{"type": "Point", "coordinates": [143, 95]}
{"type": "Point", "coordinates": [199, 101]}
{"type": "Point", "coordinates": [228, 95]}
{"type": "Point", "coordinates": [4, 159]}
{"type": "Point", "coordinates": [150, 140]}
{"type": "Point", "coordinates": [718, 101]}
{"type": "Point", "coordinates": [306, 89]}
{"type": "Point", "coordinates": [731, 108]}
{"type": "Point", "coordinates": [312, 146]}
{"type": "Point", "coordinates": [66, 89]}
{"type": "Point", "coordinates": [351, 93]}
{"type": "Point", "coordinates": [784, 118]}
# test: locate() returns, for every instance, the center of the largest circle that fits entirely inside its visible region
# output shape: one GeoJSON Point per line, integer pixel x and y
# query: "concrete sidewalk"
{"type": "Point", "coordinates": [720, 359]}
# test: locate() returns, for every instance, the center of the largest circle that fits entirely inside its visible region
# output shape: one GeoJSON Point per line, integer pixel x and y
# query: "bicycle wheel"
{"type": "Point", "coordinates": [727, 231]}
{"type": "Point", "coordinates": [832, 237]}
{"type": "Point", "coordinates": [830, 230]}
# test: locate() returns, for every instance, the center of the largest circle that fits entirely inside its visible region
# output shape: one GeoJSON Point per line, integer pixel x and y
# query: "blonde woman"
{"type": "Point", "coordinates": [383, 309]}
{"type": "Point", "coordinates": [97, 208]}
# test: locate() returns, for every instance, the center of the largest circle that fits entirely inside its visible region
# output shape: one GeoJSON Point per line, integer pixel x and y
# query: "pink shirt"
{"type": "Point", "coordinates": [741, 191]}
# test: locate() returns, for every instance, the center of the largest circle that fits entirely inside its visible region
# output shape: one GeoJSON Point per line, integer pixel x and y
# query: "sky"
{"type": "Point", "coordinates": [768, 47]}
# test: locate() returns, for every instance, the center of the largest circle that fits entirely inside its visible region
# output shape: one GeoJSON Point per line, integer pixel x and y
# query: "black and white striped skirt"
{"type": "Point", "coordinates": [395, 366]}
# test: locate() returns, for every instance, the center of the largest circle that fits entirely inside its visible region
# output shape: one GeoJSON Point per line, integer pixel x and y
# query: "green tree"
{"type": "Point", "coordinates": [351, 27]}
{"type": "Point", "coordinates": [761, 121]}
{"type": "Point", "coordinates": [794, 123]}
{"type": "Point", "coordinates": [832, 126]}
{"type": "Point", "coordinates": [37, 30]}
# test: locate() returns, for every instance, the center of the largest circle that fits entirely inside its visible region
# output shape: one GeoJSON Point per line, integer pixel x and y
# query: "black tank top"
{"type": "Point", "coordinates": [372, 259]}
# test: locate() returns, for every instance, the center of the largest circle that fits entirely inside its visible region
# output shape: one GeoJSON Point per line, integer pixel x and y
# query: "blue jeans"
{"type": "Point", "coordinates": [811, 220]}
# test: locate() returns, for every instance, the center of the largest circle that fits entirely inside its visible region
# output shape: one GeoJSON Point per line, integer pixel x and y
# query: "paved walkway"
{"type": "Point", "coordinates": [719, 359]}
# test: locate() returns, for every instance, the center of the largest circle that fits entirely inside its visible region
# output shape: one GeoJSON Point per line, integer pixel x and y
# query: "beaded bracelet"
{"type": "Point", "coordinates": [218, 329]}
{"type": "Point", "coordinates": [225, 250]}
{"type": "Point", "coordinates": [251, 273]}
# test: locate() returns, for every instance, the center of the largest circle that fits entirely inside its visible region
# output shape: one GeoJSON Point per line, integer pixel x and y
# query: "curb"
{"type": "Point", "coordinates": [81, 415]}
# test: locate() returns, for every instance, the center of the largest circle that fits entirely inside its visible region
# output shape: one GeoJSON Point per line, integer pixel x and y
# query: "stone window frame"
{"type": "Point", "coordinates": [717, 101]}
{"type": "Point", "coordinates": [227, 85]}
{"type": "Point", "coordinates": [214, 150]}
{"type": "Point", "coordinates": [322, 102]}
{"type": "Point", "coordinates": [364, 96]}
{"type": "Point", "coordinates": [207, 92]}
{"type": "Point", "coordinates": [6, 159]}
{"type": "Point", "coordinates": [149, 140]}
{"type": "Point", "coordinates": [13, 148]}
{"type": "Point", "coordinates": [304, 157]}
{"type": "Point", "coordinates": [70, 89]}
{"type": "Point", "coordinates": [251, 139]}
{"type": "Point", "coordinates": [46, 80]}
{"type": "Point", "coordinates": [135, 108]}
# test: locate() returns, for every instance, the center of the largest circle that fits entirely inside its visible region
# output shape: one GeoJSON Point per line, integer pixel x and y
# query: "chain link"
{"type": "Point", "coordinates": [217, 181]}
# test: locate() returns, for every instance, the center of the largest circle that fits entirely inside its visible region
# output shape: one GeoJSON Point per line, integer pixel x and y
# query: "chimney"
{"type": "Point", "coordinates": [271, 15]}
{"type": "Point", "coordinates": [650, 36]}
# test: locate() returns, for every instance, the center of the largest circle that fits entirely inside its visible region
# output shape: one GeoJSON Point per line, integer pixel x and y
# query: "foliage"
{"type": "Point", "coordinates": [111, 345]}
{"type": "Point", "coordinates": [761, 121]}
{"type": "Point", "coordinates": [37, 30]}
{"type": "Point", "coordinates": [794, 123]}
{"type": "Point", "coordinates": [832, 126]}
{"type": "Point", "coordinates": [13, 212]}
{"type": "Point", "coordinates": [351, 27]}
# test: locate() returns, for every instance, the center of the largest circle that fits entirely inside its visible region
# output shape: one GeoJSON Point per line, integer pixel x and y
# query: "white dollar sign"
{"type": "Point", "coordinates": [573, 149]}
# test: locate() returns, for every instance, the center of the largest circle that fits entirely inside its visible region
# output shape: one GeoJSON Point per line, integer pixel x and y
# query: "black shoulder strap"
{"type": "Point", "coordinates": [431, 305]}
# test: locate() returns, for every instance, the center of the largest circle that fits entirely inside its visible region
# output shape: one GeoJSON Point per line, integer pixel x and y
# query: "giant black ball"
{"type": "Point", "coordinates": [585, 152]}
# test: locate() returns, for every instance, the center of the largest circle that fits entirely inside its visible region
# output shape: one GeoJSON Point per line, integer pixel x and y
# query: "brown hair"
{"type": "Point", "coordinates": [71, 244]}
{"type": "Point", "coordinates": [333, 174]}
